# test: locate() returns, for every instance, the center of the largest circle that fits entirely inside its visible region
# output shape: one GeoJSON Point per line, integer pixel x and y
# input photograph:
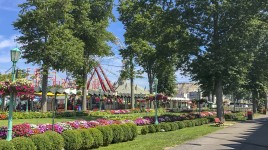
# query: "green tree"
{"type": "Point", "coordinates": [46, 38]}
{"type": "Point", "coordinates": [155, 33]}
{"type": "Point", "coordinates": [92, 18]}
{"type": "Point", "coordinates": [223, 29]}
{"type": "Point", "coordinates": [258, 72]}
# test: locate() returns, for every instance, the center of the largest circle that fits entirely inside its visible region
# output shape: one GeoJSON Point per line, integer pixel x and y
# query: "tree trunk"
{"type": "Point", "coordinates": [219, 99]}
{"type": "Point", "coordinates": [84, 91]}
{"type": "Point", "coordinates": [132, 93]}
{"type": "Point", "coordinates": [44, 89]}
{"type": "Point", "coordinates": [254, 101]}
{"type": "Point", "coordinates": [265, 103]}
{"type": "Point", "coordinates": [3, 103]}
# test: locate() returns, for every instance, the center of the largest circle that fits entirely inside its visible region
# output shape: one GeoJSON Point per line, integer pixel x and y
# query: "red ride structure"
{"type": "Point", "coordinates": [108, 87]}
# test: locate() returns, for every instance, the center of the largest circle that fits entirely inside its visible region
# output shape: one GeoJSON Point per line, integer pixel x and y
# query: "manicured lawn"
{"type": "Point", "coordinates": [160, 140]}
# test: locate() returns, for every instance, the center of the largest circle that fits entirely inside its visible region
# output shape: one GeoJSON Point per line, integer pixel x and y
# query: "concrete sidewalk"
{"type": "Point", "coordinates": [248, 135]}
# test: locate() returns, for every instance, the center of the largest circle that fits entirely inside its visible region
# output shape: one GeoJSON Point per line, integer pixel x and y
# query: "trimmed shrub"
{"type": "Point", "coordinates": [72, 139]}
{"type": "Point", "coordinates": [186, 123]}
{"type": "Point", "coordinates": [41, 141]}
{"type": "Point", "coordinates": [174, 126]}
{"type": "Point", "coordinates": [193, 122]}
{"type": "Point", "coordinates": [97, 136]}
{"type": "Point", "coordinates": [87, 139]}
{"type": "Point", "coordinates": [118, 133]}
{"type": "Point", "coordinates": [6, 145]}
{"type": "Point", "coordinates": [144, 130]}
{"type": "Point", "coordinates": [197, 122]}
{"type": "Point", "coordinates": [151, 129]}
{"type": "Point", "coordinates": [56, 139]}
{"type": "Point", "coordinates": [157, 127]}
{"type": "Point", "coordinates": [127, 132]}
{"type": "Point", "coordinates": [23, 143]}
{"type": "Point", "coordinates": [181, 124]}
{"type": "Point", "coordinates": [134, 130]}
{"type": "Point", "coordinates": [210, 119]}
{"type": "Point", "coordinates": [107, 133]}
{"type": "Point", "coordinates": [165, 126]}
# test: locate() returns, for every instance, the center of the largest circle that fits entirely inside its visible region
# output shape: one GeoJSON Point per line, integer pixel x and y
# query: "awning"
{"type": "Point", "coordinates": [48, 94]}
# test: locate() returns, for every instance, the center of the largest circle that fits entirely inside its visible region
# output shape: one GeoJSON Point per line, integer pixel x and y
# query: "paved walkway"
{"type": "Point", "coordinates": [248, 135]}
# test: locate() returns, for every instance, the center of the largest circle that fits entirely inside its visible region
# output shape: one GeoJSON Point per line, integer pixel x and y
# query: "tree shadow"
{"type": "Point", "coordinates": [255, 138]}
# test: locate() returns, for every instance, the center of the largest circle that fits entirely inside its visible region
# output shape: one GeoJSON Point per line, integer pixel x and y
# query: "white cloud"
{"type": "Point", "coordinates": [7, 42]}
{"type": "Point", "coordinates": [4, 59]}
{"type": "Point", "coordinates": [10, 5]}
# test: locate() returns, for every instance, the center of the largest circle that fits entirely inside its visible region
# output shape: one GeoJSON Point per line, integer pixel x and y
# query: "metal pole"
{"type": "Point", "coordinates": [199, 102]}
{"type": "Point", "coordinates": [156, 117]}
{"type": "Point", "coordinates": [66, 102]}
{"type": "Point", "coordinates": [10, 107]}
{"type": "Point", "coordinates": [27, 103]}
{"type": "Point", "coordinates": [54, 109]}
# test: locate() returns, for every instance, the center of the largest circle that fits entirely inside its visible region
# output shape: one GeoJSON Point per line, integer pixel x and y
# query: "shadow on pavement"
{"type": "Point", "coordinates": [255, 138]}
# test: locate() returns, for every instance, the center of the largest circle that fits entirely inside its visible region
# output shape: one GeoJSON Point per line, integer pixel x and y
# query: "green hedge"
{"type": "Point", "coordinates": [23, 143]}
{"type": "Point", "coordinates": [157, 127]}
{"type": "Point", "coordinates": [41, 141]}
{"type": "Point", "coordinates": [97, 136]}
{"type": "Point", "coordinates": [144, 130]}
{"type": "Point", "coordinates": [72, 140]}
{"type": "Point", "coordinates": [127, 132]}
{"type": "Point", "coordinates": [87, 139]}
{"type": "Point", "coordinates": [134, 130]}
{"type": "Point", "coordinates": [181, 124]}
{"type": "Point", "coordinates": [6, 145]}
{"type": "Point", "coordinates": [118, 133]}
{"type": "Point", "coordinates": [107, 133]}
{"type": "Point", "coordinates": [56, 139]}
{"type": "Point", "coordinates": [151, 129]}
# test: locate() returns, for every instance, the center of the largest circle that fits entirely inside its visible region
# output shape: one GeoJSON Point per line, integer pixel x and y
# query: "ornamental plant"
{"type": "Point", "coordinates": [21, 87]}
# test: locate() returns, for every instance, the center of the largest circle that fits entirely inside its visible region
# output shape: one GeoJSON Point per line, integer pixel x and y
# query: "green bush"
{"type": "Point", "coordinates": [181, 124]}
{"type": "Point", "coordinates": [72, 139]}
{"type": "Point", "coordinates": [23, 143]}
{"type": "Point", "coordinates": [107, 133]}
{"type": "Point", "coordinates": [193, 123]}
{"type": "Point", "coordinates": [41, 141]}
{"type": "Point", "coordinates": [174, 126]}
{"type": "Point", "coordinates": [151, 129]}
{"type": "Point", "coordinates": [204, 120]}
{"type": "Point", "coordinates": [56, 139]}
{"type": "Point", "coordinates": [157, 127]}
{"type": "Point", "coordinates": [134, 130]}
{"type": "Point", "coordinates": [118, 133]}
{"type": "Point", "coordinates": [87, 139]}
{"type": "Point", "coordinates": [127, 132]}
{"type": "Point", "coordinates": [97, 136]}
{"type": "Point", "coordinates": [6, 145]}
{"type": "Point", "coordinates": [197, 122]}
{"type": "Point", "coordinates": [210, 119]}
{"type": "Point", "coordinates": [144, 130]}
{"type": "Point", "coordinates": [165, 126]}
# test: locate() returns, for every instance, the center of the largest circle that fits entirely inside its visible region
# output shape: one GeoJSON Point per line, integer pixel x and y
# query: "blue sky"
{"type": "Point", "coordinates": [9, 12]}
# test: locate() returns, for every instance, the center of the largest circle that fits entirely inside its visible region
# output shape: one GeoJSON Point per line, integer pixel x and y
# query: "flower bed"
{"type": "Point", "coordinates": [90, 138]}
{"type": "Point", "coordinates": [27, 130]}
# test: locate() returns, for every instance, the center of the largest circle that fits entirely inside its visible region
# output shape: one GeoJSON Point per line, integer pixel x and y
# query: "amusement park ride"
{"type": "Point", "coordinates": [95, 80]}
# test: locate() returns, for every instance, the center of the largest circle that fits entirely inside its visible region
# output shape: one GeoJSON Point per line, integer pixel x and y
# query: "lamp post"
{"type": "Point", "coordinates": [100, 99]}
{"type": "Point", "coordinates": [199, 102]}
{"type": "Point", "coordinates": [155, 86]}
{"type": "Point", "coordinates": [15, 55]}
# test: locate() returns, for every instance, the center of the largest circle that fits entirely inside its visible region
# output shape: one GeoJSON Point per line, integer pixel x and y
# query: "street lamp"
{"type": "Point", "coordinates": [15, 55]}
{"type": "Point", "coordinates": [155, 86]}
{"type": "Point", "coordinates": [100, 99]}
{"type": "Point", "coordinates": [199, 102]}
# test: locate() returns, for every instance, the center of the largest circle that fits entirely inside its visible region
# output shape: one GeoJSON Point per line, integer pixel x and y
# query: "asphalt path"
{"type": "Point", "coordinates": [246, 135]}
